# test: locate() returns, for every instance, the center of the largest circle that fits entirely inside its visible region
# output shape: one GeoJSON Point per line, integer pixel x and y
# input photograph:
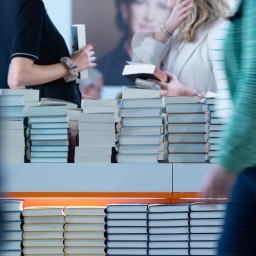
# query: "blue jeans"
{"type": "Point", "coordinates": [239, 233]}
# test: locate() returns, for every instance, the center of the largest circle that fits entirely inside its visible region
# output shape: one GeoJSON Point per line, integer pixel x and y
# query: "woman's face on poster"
{"type": "Point", "coordinates": [148, 15]}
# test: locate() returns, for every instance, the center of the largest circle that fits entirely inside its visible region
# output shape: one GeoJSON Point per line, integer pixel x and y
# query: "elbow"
{"type": "Point", "coordinates": [15, 81]}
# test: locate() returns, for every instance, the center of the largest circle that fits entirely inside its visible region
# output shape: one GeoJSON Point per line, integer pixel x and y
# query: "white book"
{"type": "Point", "coordinates": [48, 110]}
{"type": "Point", "coordinates": [206, 229]}
{"type": "Point", "coordinates": [12, 133]}
{"type": "Point", "coordinates": [181, 99]}
{"type": "Point", "coordinates": [141, 130]}
{"type": "Point", "coordinates": [10, 245]}
{"type": "Point", "coordinates": [127, 223]}
{"type": "Point", "coordinates": [93, 150]}
{"type": "Point", "coordinates": [127, 237]}
{"type": "Point", "coordinates": [98, 103]}
{"type": "Point", "coordinates": [13, 159]}
{"type": "Point", "coordinates": [43, 211]}
{"type": "Point", "coordinates": [207, 214]}
{"type": "Point", "coordinates": [127, 230]}
{"type": "Point", "coordinates": [141, 103]}
{"type": "Point", "coordinates": [184, 108]}
{"type": "Point", "coordinates": [49, 142]}
{"type": "Point", "coordinates": [12, 125]}
{"type": "Point", "coordinates": [11, 205]}
{"type": "Point", "coordinates": [140, 139]}
{"type": "Point", "coordinates": [168, 215]}
{"type": "Point", "coordinates": [84, 235]}
{"type": "Point", "coordinates": [11, 235]}
{"type": "Point", "coordinates": [93, 159]}
{"type": "Point", "coordinates": [204, 237]}
{"type": "Point", "coordinates": [139, 112]}
{"type": "Point", "coordinates": [49, 149]}
{"type": "Point", "coordinates": [168, 223]}
{"type": "Point", "coordinates": [165, 251]}
{"type": "Point", "coordinates": [158, 208]}
{"type": "Point", "coordinates": [43, 235]}
{"type": "Point", "coordinates": [169, 237]}
{"type": "Point", "coordinates": [127, 215]}
{"type": "Point", "coordinates": [92, 141]}
{"type": "Point", "coordinates": [187, 158]}
{"type": "Point", "coordinates": [44, 219]}
{"type": "Point", "coordinates": [85, 219]}
{"type": "Point", "coordinates": [96, 126]}
{"type": "Point", "coordinates": [169, 230]}
{"type": "Point", "coordinates": [186, 148]}
{"type": "Point", "coordinates": [49, 154]}
{"type": "Point", "coordinates": [43, 243]}
{"type": "Point", "coordinates": [100, 110]}
{"type": "Point", "coordinates": [48, 160]}
{"type": "Point", "coordinates": [187, 118]}
{"type": "Point", "coordinates": [49, 137]}
{"type": "Point", "coordinates": [135, 158]}
{"type": "Point", "coordinates": [140, 149]}
{"type": "Point", "coordinates": [97, 118]}
{"type": "Point", "coordinates": [43, 227]}
{"type": "Point", "coordinates": [203, 244]}
{"type": "Point", "coordinates": [28, 94]}
{"type": "Point", "coordinates": [84, 227]}
{"type": "Point", "coordinates": [85, 242]}
{"type": "Point", "coordinates": [134, 93]}
{"type": "Point", "coordinates": [142, 121]}
{"type": "Point", "coordinates": [169, 244]}
{"type": "Point", "coordinates": [187, 128]}
{"type": "Point", "coordinates": [186, 138]}
{"type": "Point", "coordinates": [11, 100]}
{"type": "Point", "coordinates": [42, 250]}
{"type": "Point", "coordinates": [50, 126]}
{"type": "Point", "coordinates": [48, 119]}
{"type": "Point", "coordinates": [78, 32]}
{"type": "Point", "coordinates": [127, 251]}
{"type": "Point", "coordinates": [127, 208]}
{"type": "Point", "coordinates": [43, 131]}
{"type": "Point", "coordinates": [51, 101]}
{"type": "Point", "coordinates": [85, 210]}
{"type": "Point", "coordinates": [206, 222]}
{"type": "Point", "coordinates": [126, 244]}
{"type": "Point", "coordinates": [85, 250]}
{"type": "Point", "coordinates": [204, 252]}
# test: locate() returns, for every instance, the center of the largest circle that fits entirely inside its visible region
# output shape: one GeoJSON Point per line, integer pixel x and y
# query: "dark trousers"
{"type": "Point", "coordinates": [239, 232]}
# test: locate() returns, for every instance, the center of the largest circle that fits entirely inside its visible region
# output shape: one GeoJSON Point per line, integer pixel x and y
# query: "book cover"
{"type": "Point", "coordinates": [85, 210]}
{"type": "Point", "coordinates": [168, 208]}
{"type": "Point", "coordinates": [141, 103]}
{"type": "Point", "coordinates": [144, 71]}
{"type": "Point", "coordinates": [78, 33]}
{"type": "Point", "coordinates": [135, 93]}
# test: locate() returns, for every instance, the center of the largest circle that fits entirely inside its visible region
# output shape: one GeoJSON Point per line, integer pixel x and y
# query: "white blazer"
{"type": "Point", "coordinates": [193, 65]}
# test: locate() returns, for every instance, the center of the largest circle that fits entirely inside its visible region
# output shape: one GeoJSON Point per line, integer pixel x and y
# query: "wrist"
{"type": "Point", "coordinates": [72, 69]}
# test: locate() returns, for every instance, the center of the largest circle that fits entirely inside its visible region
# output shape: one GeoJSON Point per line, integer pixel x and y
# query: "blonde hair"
{"type": "Point", "coordinates": [203, 12]}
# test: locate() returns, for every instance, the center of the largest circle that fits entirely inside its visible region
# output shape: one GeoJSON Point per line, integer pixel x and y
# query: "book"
{"type": "Point", "coordinates": [127, 237]}
{"type": "Point", "coordinates": [12, 125]}
{"type": "Point", "coordinates": [93, 150]}
{"type": "Point", "coordinates": [187, 158]}
{"type": "Point", "coordinates": [135, 93]}
{"type": "Point", "coordinates": [144, 71]}
{"type": "Point", "coordinates": [126, 251]}
{"type": "Point", "coordinates": [85, 210]}
{"type": "Point", "coordinates": [127, 215]}
{"type": "Point", "coordinates": [126, 223]}
{"type": "Point", "coordinates": [28, 94]}
{"type": "Point", "coordinates": [127, 208]}
{"type": "Point", "coordinates": [204, 237]}
{"type": "Point", "coordinates": [11, 100]}
{"type": "Point", "coordinates": [85, 242]}
{"type": "Point", "coordinates": [11, 216]}
{"type": "Point", "coordinates": [187, 128]}
{"type": "Point", "coordinates": [187, 118]}
{"type": "Point", "coordinates": [51, 101]}
{"type": "Point", "coordinates": [97, 118]}
{"type": "Point", "coordinates": [43, 243]}
{"type": "Point", "coordinates": [11, 205]}
{"type": "Point", "coordinates": [165, 251]}
{"type": "Point", "coordinates": [84, 227]}
{"type": "Point", "coordinates": [49, 137]}
{"type": "Point", "coordinates": [181, 99]}
{"type": "Point", "coordinates": [48, 160]}
{"type": "Point", "coordinates": [98, 103]}
{"type": "Point", "coordinates": [202, 251]}
{"type": "Point", "coordinates": [183, 108]}
{"type": "Point", "coordinates": [140, 139]}
{"type": "Point", "coordinates": [169, 244]}
{"type": "Point", "coordinates": [147, 130]}
{"type": "Point", "coordinates": [207, 207]}
{"type": "Point", "coordinates": [186, 138]}
{"type": "Point", "coordinates": [168, 223]}
{"type": "Point", "coordinates": [142, 121]}
{"type": "Point", "coordinates": [145, 84]}
{"type": "Point", "coordinates": [42, 235]}
{"type": "Point", "coordinates": [48, 119]}
{"type": "Point", "coordinates": [11, 235]}
{"type": "Point", "coordinates": [49, 126]}
{"type": "Point", "coordinates": [168, 237]}
{"type": "Point", "coordinates": [85, 250]}
{"type": "Point", "coordinates": [98, 109]}
{"type": "Point", "coordinates": [169, 230]}
{"type": "Point", "coordinates": [43, 250]}
{"type": "Point", "coordinates": [207, 214]}
{"type": "Point", "coordinates": [47, 131]}
{"type": "Point", "coordinates": [139, 112]}
{"type": "Point", "coordinates": [206, 222]}
{"type": "Point", "coordinates": [49, 142]}
{"type": "Point", "coordinates": [43, 211]}
{"type": "Point", "coordinates": [84, 235]}
{"type": "Point", "coordinates": [168, 215]}
{"type": "Point", "coordinates": [10, 246]}
{"type": "Point", "coordinates": [135, 158]}
{"type": "Point", "coordinates": [49, 149]}
{"type": "Point", "coordinates": [127, 244]}
{"type": "Point", "coordinates": [126, 230]}
{"type": "Point", "coordinates": [168, 208]}
{"type": "Point", "coordinates": [139, 149]}
{"type": "Point", "coordinates": [44, 220]}
{"type": "Point", "coordinates": [78, 33]}
{"type": "Point", "coordinates": [186, 148]}
{"type": "Point", "coordinates": [206, 229]}
{"type": "Point", "coordinates": [48, 110]}
{"type": "Point", "coordinates": [96, 126]}
{"type": "Point", "coordinates": [85, 219]}
{"type": "Point", "coordinates": [141, 103]}
{"type": "Point", "coordinates": [43, 227]}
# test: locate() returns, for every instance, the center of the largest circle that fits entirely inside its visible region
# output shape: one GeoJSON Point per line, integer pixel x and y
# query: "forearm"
{"type": "Point", "coordinates": [23, 72]}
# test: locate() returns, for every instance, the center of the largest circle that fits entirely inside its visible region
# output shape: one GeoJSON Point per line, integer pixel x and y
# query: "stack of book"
{"type": "Point", "coordinates": [85, 230]}
{"type": "Point", "coordinates": [168, 229]}
{"type": "Point", "coordinates": [73, 115]}
{"type": "Point", "coordinates": [127, 229]}
{"type": "Point", "coordinates": [96, 127]}
{"type": "Point", "coordinates": [186, 127]}
{"type": "Point", "coordinates": [48, 133]}
{"type": "Point", "coordinates": [12, 139]}
{"type": "Point", "coordinates": [140, 130]}
{"type": "Point", "coordinates": [206, 223]}
{"type": "Point", "coordinates": [216, 127]}
{"type": "Point", "coordinates": [30, 97]}
{"type": "Point", "coordinates": [43, 230]}
{"type": "Point", "coordinates": [11, 237]}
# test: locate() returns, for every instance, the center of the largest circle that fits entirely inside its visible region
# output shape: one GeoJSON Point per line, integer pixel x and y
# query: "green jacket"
{"type": "Point", "coordinates": [238, 146]}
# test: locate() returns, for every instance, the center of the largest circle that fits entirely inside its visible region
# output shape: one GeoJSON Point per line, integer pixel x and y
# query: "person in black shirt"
{"type": "Point", "coordinates": [30, 51]}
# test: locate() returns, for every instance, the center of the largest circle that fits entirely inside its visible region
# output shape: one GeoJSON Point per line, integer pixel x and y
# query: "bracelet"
{"type": "Point", "coordinates": [73, 69]}
{"type": "Point", "coordinates": [164, 30]}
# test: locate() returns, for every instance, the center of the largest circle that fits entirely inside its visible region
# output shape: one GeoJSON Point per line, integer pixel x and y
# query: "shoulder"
{"type": "Point", "coordinates": [220, 24]}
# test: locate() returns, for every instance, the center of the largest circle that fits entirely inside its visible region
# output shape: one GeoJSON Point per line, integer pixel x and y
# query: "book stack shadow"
{"type": "Point", "coordinates": [85, 230]}
{"type": "Point", "coordinates": [140, 129]}
{"type": "Point", "coordinates": [48, 133]}
{"type": "Point", "coordinates": [12, 139]}
{"type": "Point", "coordinates": [43, 230]}
{"type": "Point", "coordinates": [11, 237]}
{"type": "Point", "coordinates": [205, 223]}
{"type": "Point", "coordinates": [168, 229]}
{"type": "Point", "coordinates": [127, 229]}
{"type": "Point", "coordinates": [96, 127]}
{"type": "Point", "coordinates": [216, 128]}
{"type": "Point", "coordinates": [186, 126]}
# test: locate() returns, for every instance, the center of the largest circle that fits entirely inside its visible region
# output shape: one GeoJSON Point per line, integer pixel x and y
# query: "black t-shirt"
{"type": "Point", "coordinates": [27, 31]}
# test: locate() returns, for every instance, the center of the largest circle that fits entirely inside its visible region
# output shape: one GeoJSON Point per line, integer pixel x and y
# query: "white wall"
{"type": "Point", "coordinates": [60, 11]}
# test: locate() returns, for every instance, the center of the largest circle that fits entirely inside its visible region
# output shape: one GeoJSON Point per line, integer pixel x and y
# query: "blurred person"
{"type": "Point", "coordinates": [131, 16]}
{"type": "Point", "coordinates": [35, 55]}
{"type": "Point", "coordinates": [234, 177]}
{"type": "Point", "coordinates": [90, 88]}
{"type": "Point", "coordinates": [182, 46]}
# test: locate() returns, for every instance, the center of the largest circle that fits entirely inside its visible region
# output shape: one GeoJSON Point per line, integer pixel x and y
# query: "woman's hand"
{"type": "Point", "coordinates": [174, 87]}
{"type": "Point", "coordinates": [84, 57]}
{"type": "Point", "coordinates": [180, 12]}
{"type": "Point", "coordinates": [218, 184]}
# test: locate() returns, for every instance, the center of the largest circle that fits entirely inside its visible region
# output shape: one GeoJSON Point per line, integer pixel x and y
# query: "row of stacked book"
{"type": "Point", "coordinates": [117, 229]}
{"type": "Point", "coordinates": [142, 128]}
